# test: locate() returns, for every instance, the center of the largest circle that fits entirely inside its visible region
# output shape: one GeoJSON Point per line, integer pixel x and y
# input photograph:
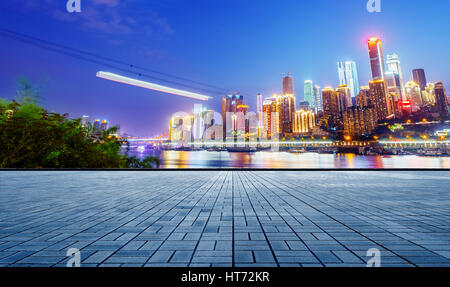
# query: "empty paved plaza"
{"type": "Point", "coordinates": [224, 218]}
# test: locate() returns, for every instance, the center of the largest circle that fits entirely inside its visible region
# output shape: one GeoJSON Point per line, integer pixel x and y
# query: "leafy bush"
{"type": "Point", "coordinates": [31, 137]}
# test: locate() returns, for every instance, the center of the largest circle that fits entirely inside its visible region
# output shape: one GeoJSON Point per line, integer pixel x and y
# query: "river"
{"type": "Point", "coordinates": [277, 160]}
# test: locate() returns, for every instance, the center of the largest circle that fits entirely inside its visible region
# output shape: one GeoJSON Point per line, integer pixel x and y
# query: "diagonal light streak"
{"type": "Point", "coordinates": [150, 86]}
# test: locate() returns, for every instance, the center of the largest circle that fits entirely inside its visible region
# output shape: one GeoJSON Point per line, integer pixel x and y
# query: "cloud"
{"type": "Point", "coordinates": [108, 21]}
{"type": "Point", "coordinates": [107, 16]}
{"type": "Point", "coordinates": [110, 3]}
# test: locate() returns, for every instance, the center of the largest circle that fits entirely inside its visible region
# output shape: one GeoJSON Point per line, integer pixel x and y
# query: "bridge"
{"type": "Point", "coordinates": [160, 138]}
{"type": "Point", "coordinates": [424, 146]}
{"type": "Point", "coordinates": [325, 143]}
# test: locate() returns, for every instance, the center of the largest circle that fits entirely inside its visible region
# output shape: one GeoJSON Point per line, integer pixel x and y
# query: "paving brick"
{"type": "Point", "coordinates": [263, 256]}
{"type": "Point", "coordinates": [186, 218]}
{"type": "Point", "coordinates": [98, 257]}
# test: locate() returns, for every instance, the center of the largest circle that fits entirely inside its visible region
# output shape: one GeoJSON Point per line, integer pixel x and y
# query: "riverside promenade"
{"type": "Point", "coordinates": [225, 218]}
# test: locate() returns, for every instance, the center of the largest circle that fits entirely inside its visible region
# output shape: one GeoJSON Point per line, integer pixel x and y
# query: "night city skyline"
{"type": "Point", "coordinates": [236, 141]}
{"type": "Point", "coordinates": [221, 51]}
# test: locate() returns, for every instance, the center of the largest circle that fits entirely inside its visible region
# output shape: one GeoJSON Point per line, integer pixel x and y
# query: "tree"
{"type": "Point", "coordinates": [31, 137]}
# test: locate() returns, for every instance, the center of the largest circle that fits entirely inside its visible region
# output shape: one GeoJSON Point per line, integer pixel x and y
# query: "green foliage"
{"type": "Point", "coordinates": [31, 137]}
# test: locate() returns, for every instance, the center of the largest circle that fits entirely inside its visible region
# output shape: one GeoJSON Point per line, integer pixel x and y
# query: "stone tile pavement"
{"type": "Point", "coordinates": [224, 218]}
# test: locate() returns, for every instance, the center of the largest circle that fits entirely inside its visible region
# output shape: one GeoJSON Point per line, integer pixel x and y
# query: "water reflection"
{"type": "Point", "coordinates": [262, 160]}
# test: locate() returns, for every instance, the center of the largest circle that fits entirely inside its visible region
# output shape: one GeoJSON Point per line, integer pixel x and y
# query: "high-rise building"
{"type": "Point", "coordinates": [97, 124]}
{"type": "Point", "coordinates": [363, 98]}
{"type": "Point", "coordinates": [393, 82]}
{"type": "Point", "coordinates": [331, 105]}
{"type": "Point", "coordinates": [188, 123]}
{"type": "Point", "coordinates": [288, 85]}
{"type": "Point", "coordinates": [428, 95]}
{"type": "Point", "coordinates": [304, 105]}
{"type": "Point", "coordinates": [396, 104]}
{"type": "Point", "coordinates": [259, 113]}
{"type": "Point", "coordinates": [286, 113]}
{"type": "Point", "coordinates": [414, 95]}
{"type": "Point", "coordinates": [308, 93]}
{"type": "Point", "coordinates": [229, 105]}
{"type": "Point", "coordinates": [376, 59]}
{"type": "Point", "coordinates": [419, 78]}
{"type": "Point", "coordinates": [393, 65]}
{"type": "Point", "coordinates": [209, 118]}
{"type": "Point", "coordinates": [271, 118]}
{"type": "Point", "coordinates": [345, 92]}
{"type": "Point", "coordinates": [175, 128]}
{"type": "Point", "coordinates": [348, 75]}
{"type": "Point", "coordinates": [380, 99]}
{"type": "Point", "coordinates": [441, 99]}
{"type": "Point", "coordinates": [317, 98]}
{"type": "Point", "coordinates": [199, 123]}
{"type": "Point", "coordinates": [213, 126]}
{"type": "Point", "coordinates": [359, 121]}
{"type": "Point", "coordinates": [242, 124]}
{"type": "Point", "coordinates": [304, 122]}
{"type": "Point", "coordinates": [104, 125]}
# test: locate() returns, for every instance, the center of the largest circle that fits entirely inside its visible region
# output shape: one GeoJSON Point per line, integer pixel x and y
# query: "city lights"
{"type": "Point", "coordinates": [150, 86]}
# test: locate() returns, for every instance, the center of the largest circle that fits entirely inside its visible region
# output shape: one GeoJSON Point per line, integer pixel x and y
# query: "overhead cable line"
{"type": "Point", "coordinates": [88, 56]}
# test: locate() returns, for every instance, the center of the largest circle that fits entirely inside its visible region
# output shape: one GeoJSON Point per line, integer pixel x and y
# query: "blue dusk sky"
{"type": "Point", "coordinates": [244, 46]}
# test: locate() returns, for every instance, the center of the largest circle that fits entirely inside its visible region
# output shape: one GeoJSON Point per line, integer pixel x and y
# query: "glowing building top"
{"type": "Point", "coordinates": [376, 58]}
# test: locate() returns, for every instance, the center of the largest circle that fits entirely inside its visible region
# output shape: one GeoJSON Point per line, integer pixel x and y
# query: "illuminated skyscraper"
{"type": "Point", "coordinates": [288, 85]}
{"type": "Point", "coordinates": [428, 95]}
{"type": "Point", "coordinates": [175, 128]}
{"type": "Point", "coordinates": [393, 83]}
{"type": "Point", "coordinates": [97, 123]}
{"type": "Point", "coordinates": [229, 105]}
{"type": "Point", "coordinates": [345, 92]}
{"type": "Point", "coordinates": [317, 98]}
{"type": "Point", "coordinates": [104, 125]}
{"type": "Point", "coordinates": [359, 121]}
{"type": "Point", "coordinates": [286, 112]}
{"type": "Point", "coordinates": [303, 122]}
{"type": "Point", "coordinates": [331, 104]}
{"type": "Point", "coordinates": [303, 105]}
{"type": "Point", "coordinates": [259, 113]}
{"type": "Point", "coordinates": [441, 99]}
{"type": "Point", "coordinates": [308, 93]}
{"type": "Point", "coordinates": [270, 118]}
{"type": "Point", "coordinates": [213, 126]}
{"type": "Point", "coordinates": [348, 75]}
{"type": "Point", "coordinates": [393, 65]}
{"type": "Point", "coordinates": [414, 95]}
{"type": "Point", "coordinates": [380, 99]}
{"type": "Point", "coordinates": [419, 78]}
{"type": "Point", "coordinates": [242, 124]}
{"type": "Point", "coordinates": [376, 59]}
{"type": "Point", "coordinates": [199, 123]}
{"type": "Point", "coordinates": [363, 98]}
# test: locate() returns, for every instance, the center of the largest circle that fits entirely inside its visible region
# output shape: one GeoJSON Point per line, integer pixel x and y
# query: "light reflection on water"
{"type": "Point", "coordinates": [263, 159]}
